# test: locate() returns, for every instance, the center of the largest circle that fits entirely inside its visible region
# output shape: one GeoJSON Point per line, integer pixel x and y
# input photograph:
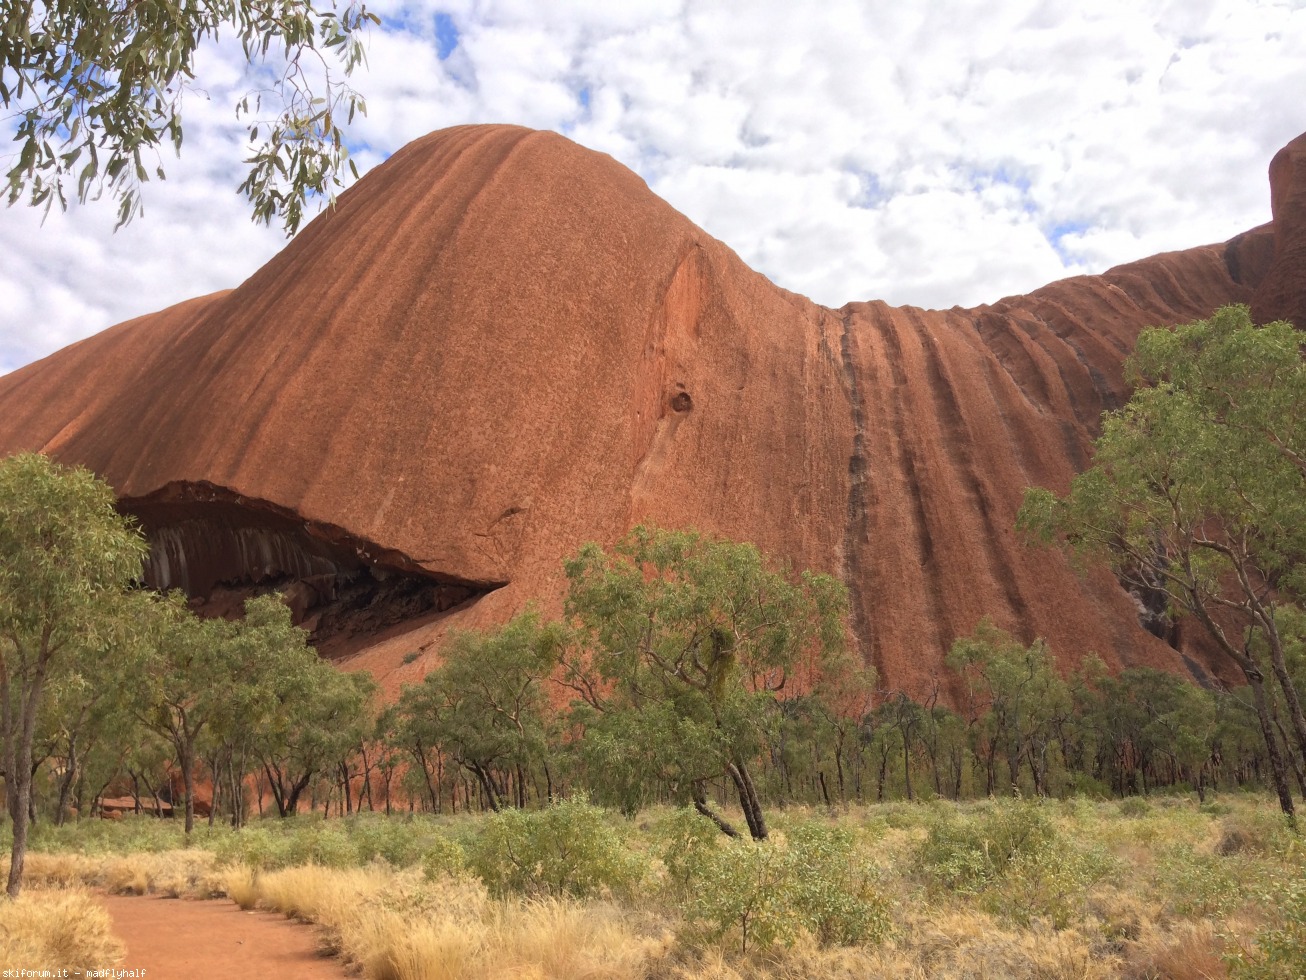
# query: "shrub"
{"type": "Point", "coordinates": [444, 858]}
{"type": "Point", "coordinates": [320, 844]}
{"type": "Point", "coordinates": [131, 834]}
{"type": "Point", "coordinates": [834, 890]}
{"type": "Point", "coordinates": [256, 846]}
{"type": "Point", "coordinates": [744, 885]}
{"type": "Point", "coordinates": [1052, 883]}
{"type": "Point", "coordinates": [773, 890]}
{"type": "Point", "coordinates": [1261, 832]}
{"type": "Point", "coordinates": [1134, 806]}
{"type": "Point", "coordinates": [963, 853]}
{"type": "Point", "coordinates": [398, 843]}
{"type": "Point", "coordinates": [567, 848]}
{"type": "Point", "coordinates": [685, 841]}
{"type": "Point", "coordinates": [1199, 885]}
{"type": "Point", "coordinates": [1278, 952]}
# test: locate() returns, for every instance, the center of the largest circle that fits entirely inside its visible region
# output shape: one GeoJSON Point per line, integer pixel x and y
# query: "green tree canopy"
{"type": "Point", "coordinates": [97, 87]}
{"type": "Point", "coordinates": [682, 643]}
{"type": "Point", "coordinates": [66, 557]}
{"type": "Point", "coordinates": [305, 714]}
{"type": "Point", "coordinates": [486, 705]}
{"type": "Point", "coordinates": [1198, 490]}
{"type": "Point", "coordinates": [1016, 696]}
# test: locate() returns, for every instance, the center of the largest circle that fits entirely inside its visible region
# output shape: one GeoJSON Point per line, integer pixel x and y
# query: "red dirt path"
{"type": "Point", "coordinates": [170, 939]}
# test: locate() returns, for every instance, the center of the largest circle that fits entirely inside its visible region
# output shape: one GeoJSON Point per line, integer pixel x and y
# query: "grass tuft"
{"type": "Point", "coordinates": [57, 930]}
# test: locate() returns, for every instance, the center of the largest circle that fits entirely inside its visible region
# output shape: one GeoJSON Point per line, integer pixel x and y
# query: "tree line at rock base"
{"type": "Point", "coordinates": [688, 669]}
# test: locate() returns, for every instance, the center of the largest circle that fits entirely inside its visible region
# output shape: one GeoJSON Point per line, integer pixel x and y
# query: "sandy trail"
{"type": "Point", "coordinates": [173, 939]}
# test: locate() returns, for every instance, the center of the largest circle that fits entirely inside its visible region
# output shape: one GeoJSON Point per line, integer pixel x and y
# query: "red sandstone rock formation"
{"type": "Point", "coordinates": [1282, 295]}
{"type": "Point", "coordinates": [501, 345]}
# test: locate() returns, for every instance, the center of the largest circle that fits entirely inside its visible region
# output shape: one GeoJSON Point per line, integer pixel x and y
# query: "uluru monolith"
{"type": "Point", "coordinates": [500, 345]}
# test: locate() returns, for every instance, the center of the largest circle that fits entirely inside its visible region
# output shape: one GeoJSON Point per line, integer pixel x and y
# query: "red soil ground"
{"type": "Point", "coordinates": [169, 939]}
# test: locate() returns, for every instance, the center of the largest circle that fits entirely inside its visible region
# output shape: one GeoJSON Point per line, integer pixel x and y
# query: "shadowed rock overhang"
{"type": "Point", "coordinates": [220, 547]}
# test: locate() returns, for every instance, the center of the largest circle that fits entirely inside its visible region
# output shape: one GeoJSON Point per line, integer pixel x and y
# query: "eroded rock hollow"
{"type": "Point", "coordinates": [501, 345]}
{"type": "Point", "coordinates": [220, 548]}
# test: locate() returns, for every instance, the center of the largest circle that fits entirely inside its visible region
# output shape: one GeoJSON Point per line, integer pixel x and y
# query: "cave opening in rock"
{"type": "Point", "coordinates": [221, 548]}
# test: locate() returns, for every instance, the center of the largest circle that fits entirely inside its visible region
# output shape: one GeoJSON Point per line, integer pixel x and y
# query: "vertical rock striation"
{"type": "Point", "coordinates": [501, 345]}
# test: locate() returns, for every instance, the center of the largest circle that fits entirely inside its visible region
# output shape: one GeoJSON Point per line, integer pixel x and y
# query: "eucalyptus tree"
{"type": "Point", "coordinates": [1016, 696]}
{"type": "Point", "coordinates": [817, 736]}
{"type": "Point", "coordinates": [190, 674]}
{"type": "Point", "coordinates": [680, 646]}
{"type": "Point", "coordinates": [487, 706]}
{"type": "Point", "coordinates": [840, 706]}
{"type": "Point", "coordinates": [96, 89]}
{"type": "Point", "coordinates": [86, 724]}
{"type": "Point", "coordinates": [268, 654]}
{"type": "Point", "coordinates": [1197, 493]}
{"type": "Point", "coordinates": [319, 715]}
{"type": "Point", "coordinates": [411, 727]}
{"type": "Point", "coordinates": [66, 559]}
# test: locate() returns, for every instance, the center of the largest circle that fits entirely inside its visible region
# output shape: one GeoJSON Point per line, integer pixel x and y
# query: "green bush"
{"type": "Point", "coordinates": [329, 847]}
{"type": "Point", "coordinates": [400, 843]}
{"type": "Point", "coordinates": [257, 846]}
{"type": "Point", "coordinates": [1200, 885]}
{"type": "Point", "coordinates": [771, 891]}
{"type": "Point", "coordinates": [834, 889]}
{"type": "Point", "coordinates": [965, 852]}
{"type": "Point", "coordinates": [1278, 952]}
{"type": "Point", "coordinates": [132, 834]}
{"type": "Point", "coordinates": [684, 841]}
{"type": "Point", "coordinates": [276, 843]}
{"type": "Point", "coordinates": [1134, 806]}
{"type": "Point", "coordinates": [744, 885]}
{"type": "Point", "coordinates": [444, 857]}
{"type": "Point", "coordinates": [1051, 883]}
{"type": "Point", "coordinates": [569, 848]}
{"type": "Point", "coordinates": [1262, 832]}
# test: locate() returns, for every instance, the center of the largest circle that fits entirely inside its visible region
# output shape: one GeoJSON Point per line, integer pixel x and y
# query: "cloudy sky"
{"type": "Point", "coordinates": [932, 153]}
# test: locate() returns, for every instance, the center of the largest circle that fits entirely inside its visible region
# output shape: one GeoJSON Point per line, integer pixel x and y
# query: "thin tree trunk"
{"type": "Point", "coordinates": [1299, 771]}
{"type": "Point", "coordinates": [154, 795]}
{"type": "Point", "coordinates": [188, 780]}
{"type": "Point", "coordinates": [1271, 745]}
{"type": "Point", "coordinates": [748, 800]}
{"type": "Point", "coordinates": [699, 794]}
{"type": "Point", "coordinates": [18, 765]}
{"type": "Point", "coordinates": [906, 764]}
{"type": "Point", "coordinates": [347, 802]}
{"type": "Point", "coordinates": [487, 785]}
{"type": "Point", "coordinates": [838, 769]}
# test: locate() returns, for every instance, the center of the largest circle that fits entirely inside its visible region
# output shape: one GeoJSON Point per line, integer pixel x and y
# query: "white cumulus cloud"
{"type": "Point", "coordinates": [933, 154]}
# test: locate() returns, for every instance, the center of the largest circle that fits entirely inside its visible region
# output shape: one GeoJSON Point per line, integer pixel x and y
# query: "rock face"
{"type": "Point", "coordinates": [501, 345]}
{"type": "Point", "coordinates": [1282, 294]}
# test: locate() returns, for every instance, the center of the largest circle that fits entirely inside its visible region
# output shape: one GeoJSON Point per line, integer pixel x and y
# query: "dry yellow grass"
{"type": "Point", "coordinates": [1188, 951]}
{"type": "Point", "coordinates": [1183, 888]}
{"type": "Point", "coordinates": [397, 926]}
{"type": "Point", "coordinates": [241, 886]}
{"type": "Point", "coordinates": [190, 873]}
{"type": "Point", "coordinates": [57, 930]}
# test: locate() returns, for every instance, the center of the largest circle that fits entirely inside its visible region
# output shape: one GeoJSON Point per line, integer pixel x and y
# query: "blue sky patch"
{"type": "Point", "coordinates": [1057, 233]}
{"type": "Point", "coordinates": [981, 179]}
{"type": "Point", "coordinates": [446, 35]}
{"type": "Point", "coordinates": [871, 193]}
